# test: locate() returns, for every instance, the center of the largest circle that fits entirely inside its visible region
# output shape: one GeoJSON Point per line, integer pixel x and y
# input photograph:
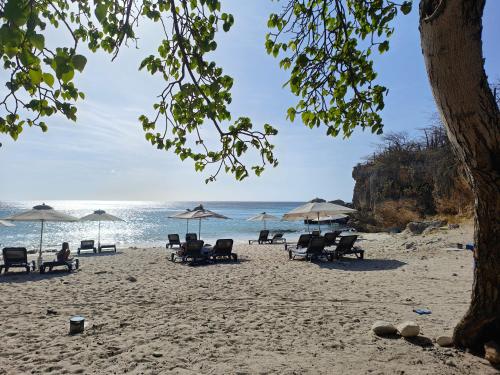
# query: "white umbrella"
{"type": "Point", "coordinates": [315, 211]}
{"type": "Point", "coordinates": [5, 224]}
{"type": "Point", "coordinates": [199, 213]}
{"type": "Point", "coordinates": [41, 213]}
{"type": "Point", "coordinates": [99, 216]}
{"type": "Point", "coordinates": [263, 217]}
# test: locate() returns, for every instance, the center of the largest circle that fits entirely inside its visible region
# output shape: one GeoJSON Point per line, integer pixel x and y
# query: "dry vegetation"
{"type": "Point", "coordinates": [408, 179]}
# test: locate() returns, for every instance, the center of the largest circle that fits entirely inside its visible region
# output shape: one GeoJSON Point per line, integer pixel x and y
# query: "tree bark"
{"type": "Point", "coordinates": [450, 32]}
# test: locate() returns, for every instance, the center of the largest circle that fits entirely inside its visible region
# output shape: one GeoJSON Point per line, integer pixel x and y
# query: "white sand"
{"type": "Point", "coordinates": [265, 314]}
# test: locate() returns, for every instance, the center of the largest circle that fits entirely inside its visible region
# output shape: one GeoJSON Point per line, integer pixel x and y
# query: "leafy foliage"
{"type": "Point", "coordinates": [327, 46]}
{"type": "Point", "coordinates": [331, 72]}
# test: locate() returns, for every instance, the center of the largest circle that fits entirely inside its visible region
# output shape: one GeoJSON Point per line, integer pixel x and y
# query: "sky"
{"type": "Point", "coordinates": [104, 155]}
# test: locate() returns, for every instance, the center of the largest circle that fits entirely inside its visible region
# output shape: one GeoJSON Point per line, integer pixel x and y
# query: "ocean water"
{"type": "Point", "coordinates": [146, 223]}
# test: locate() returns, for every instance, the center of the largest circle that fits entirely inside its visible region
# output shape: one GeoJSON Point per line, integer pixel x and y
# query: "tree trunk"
{"type": "Point", "coordinates": [450, 32]}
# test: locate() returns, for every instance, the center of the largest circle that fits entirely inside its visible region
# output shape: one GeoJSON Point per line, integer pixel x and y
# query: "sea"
{"type": "Point", "coordinates": [146, 224]}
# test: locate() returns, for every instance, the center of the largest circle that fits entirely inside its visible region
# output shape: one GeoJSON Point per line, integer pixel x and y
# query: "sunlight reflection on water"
{"type": "Point", "coordinates": [146, 223]}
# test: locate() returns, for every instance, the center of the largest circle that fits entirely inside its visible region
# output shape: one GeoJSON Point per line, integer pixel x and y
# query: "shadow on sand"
{"type": "Point", "coordinates": [15, 277]}
{"type": "Point", "coordinates": [352, 264]}
{"type": "Point", "coordinates": [103, 254]}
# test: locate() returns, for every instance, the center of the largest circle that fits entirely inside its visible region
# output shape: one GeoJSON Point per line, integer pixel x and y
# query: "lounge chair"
{"type": "Point", "coordinates": [346, 246]}
{"type": "Point", "coordinates": [277, 238]}
{"type": "Point", "coordinates": [173, 239]}
{"type": "Point", "coordinates": [263, 238]}
{"type": "Point", "coordinates": [16, 257]}
{"type": "Point", "coordinates": [303, 242]}
{"type": "Point", "coordinates": [224, 249]}
{"type": "Point", "coordinates": [314, 250]}
{"type": "Point", "coordinates": [330, 238]}
{"type": "Point", "coordinates": [87, 245]}
{"type": "Point", "coordinates": [191, 237]}
{"type": "Point", "coordinates": [63, 260]}
{"type": "Point", "coordinates": [192, 253]}
{"type": "Point", "coordinates": [111, 246]}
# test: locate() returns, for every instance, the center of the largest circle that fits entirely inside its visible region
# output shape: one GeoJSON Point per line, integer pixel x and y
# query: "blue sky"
{"type": "Point", "coordinates": [104, 154]}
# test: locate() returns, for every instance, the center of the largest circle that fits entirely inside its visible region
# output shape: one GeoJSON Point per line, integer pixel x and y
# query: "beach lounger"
{"type": "Point", "coordinates": [346, 246]}
{"type": "Point", "coordinates": [263, 238]}
{"type": "Point", "coordinates": [107, 246]}
{"type": "Point", "coordinates": [173, 239]}
{"type": "Point", "coordinates": [277, 238]}
{"type": "Point", "coordinates": [303, 242]}
{"type": "Point", "coordinates": [16, 257]}
{"type": "Point", "coordinates": [87, 245]}
{"type": "Point", "coordinates": [191, 237]}
{"type": "Point", "coordinates": [331, 238]}
{"type": "Point", "coordinates": [192, 253]}
{"type": "Point", "coordinates": [63, 260]}
{"type": "Point", "coordinates": [224, 249]}
{"type": "Point", "coordinates": [314, 250]}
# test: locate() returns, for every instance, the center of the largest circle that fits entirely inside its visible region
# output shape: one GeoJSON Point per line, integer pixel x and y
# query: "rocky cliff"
{"type": "Point", "coordinates": [408, 179]}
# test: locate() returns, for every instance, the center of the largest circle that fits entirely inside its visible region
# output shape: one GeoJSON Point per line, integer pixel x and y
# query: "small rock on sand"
{"type": "Point", "coordinates": [382, 328]}
{"type": "Point", "coordinates": [444, 341]}
{"type": "Point", "coordinates": [408, 329]}
{"type": "Point", "coordinates": [132, 279]}
{"type": "Point", "coordinates": [492, 352]}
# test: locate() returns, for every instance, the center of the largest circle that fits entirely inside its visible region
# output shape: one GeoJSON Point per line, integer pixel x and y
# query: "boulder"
{"type": "Point", "coordinates": [417, 227]}
{"type": "Point", "coordinates": [444, 341]}
{"type": "Point", "coordinates": [492, 352]}
{"type": "Point", "coordinates": [408, 329]}
{"type": "Point", "coordinates": [382, 328]}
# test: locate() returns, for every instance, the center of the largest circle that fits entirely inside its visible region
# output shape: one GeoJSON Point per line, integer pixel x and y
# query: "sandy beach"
{"type": "Point", "coordinates": [264, 314]}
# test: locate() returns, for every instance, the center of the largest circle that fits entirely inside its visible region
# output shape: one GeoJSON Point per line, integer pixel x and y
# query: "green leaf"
{"type": "Point", "coordinates": [35, 76]}
{"type": "Point", "coordinates": [406, 7]}
{"type": "Point", "coordinates": [79, 62]}
{"type": "Point", "coordinates": [100, 12]}
{"type": "Point", "coordinates": [68, 76]}
{"type": "Point", "coordinates": [48, 79]}
{"type": "Point", "coordinates": [38, 41]}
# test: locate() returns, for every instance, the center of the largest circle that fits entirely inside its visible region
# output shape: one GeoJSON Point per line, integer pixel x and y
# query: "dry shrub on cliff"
{"type": "Point", "coordinates": [459, 200]}
{"type": "Point", "coordinates": [396, 213]}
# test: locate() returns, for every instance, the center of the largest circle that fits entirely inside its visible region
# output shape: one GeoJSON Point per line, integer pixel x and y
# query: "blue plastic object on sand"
{"type": "Point", "coordinates": [422, 311]}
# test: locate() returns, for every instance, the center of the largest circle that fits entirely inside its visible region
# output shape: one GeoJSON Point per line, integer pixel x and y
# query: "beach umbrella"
{"type": "Point", "coordinates": [99, 216]}
{"type": "Point", "coordinates": [41, 213]}
{"type": "Point", "coordinates": [263, 217]}
{"type": "Point", "coordinates": [199, 212]}
{"type": "Point", "coordinates": [5, 224]}
{"type": "Point", "coordinates": [315, 211]}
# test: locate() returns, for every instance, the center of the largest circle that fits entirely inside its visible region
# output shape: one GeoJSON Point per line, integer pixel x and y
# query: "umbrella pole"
{"type": "Point", "coordinates": [264, 224]}
{"type": "Point", "coordinates": [40, 251]}
{"type": "Point", "coordinates": [319, 224]}
{"type": "Point", "coordinates": [307, 219]}
{"type": "Point", "coordinates": [199, 229]}
{"type": "Point", "coordinates": [99, 236]}
{"type": "Point", "coordinates": [187, 226]}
